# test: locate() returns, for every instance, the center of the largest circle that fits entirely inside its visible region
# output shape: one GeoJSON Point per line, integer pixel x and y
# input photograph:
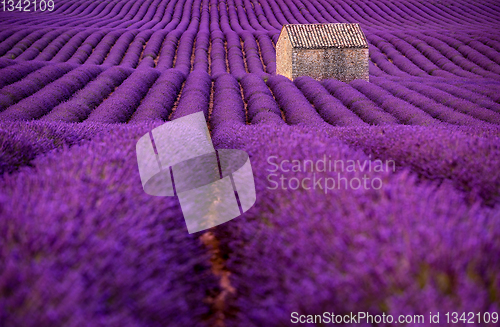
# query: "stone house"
{"type": "Point", "coordinates": [322, 51]}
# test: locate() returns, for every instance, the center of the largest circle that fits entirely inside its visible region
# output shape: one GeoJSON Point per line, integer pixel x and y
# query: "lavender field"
{"type": "Point", "coordinates": [81, 243]}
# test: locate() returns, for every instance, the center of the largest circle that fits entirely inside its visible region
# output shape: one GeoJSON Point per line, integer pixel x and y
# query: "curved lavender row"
{"type": "Point", "coordinates": [87, 48]}
{"type": "Point", "coordinates": [34, 50]}
{"type": "Point", "coordinates": [396, 13]}
{"type": "Point", "coordinates": [275, 19]}
{"type": "Point", "coordinates": [243, 7]}
{"type": "Point", "coordinates": [228, 108]}
{"type": "Point", "coordinates": [253, 19]}
{"type": "Point", "coordinates": [170, 14]}
{"type": "Point", "coordinates": [110, 13]}
{"type": "Point", "coordinates": [167, 51]}
{"type": "Point", "coordinates": [234, 22]}
{"type": "Point", "coordinates": [118, 50]}
{"type": "Point", "coordinates": [235, 18]}
{"type": "Point", "coordinates": [195, 95]}
{"type": "Point", "coordinates": [111, 253]}
{"type": "Point", "coordinates": [358, 103]}
{"type": "Point", "coordinates": [126, 14]}
{"type": "Point", "coordinates": [69, 49]}
{"type": "Point", "coordinates": [346, 11]}
{"type": "Point", "coordinates": [163, 11]}
{"type": "Point", "coordinates": [180, 16]}
{"type": "Point", "coordinates": [132, 56]}
{"type": "Point", "coordinates": [84, 101]}
{"type": "Point", "coordinates": [112, 17]}
{"type": "Point", "coordinates": [381, 61]}
{"type": "Point", "coordinates": [218, 54]}
{"type": "Point", "coordinates": [24, 141]}
{"type": "Point", "coordinates": [235, 60]}
{"type": "Point", "coordinates": [471, 54]}
{"type": "Point", "coordinates": [186, 41]}
{"type": "Point", "coordinates": [386, 15]}
{"type": "Point", "coordinates": [460, 105]}
{"type": "Point", "coordinates": [5, 34]}
{"type": "Point", "coordinates": [456, 56]}
{"type": "Point", "coordinates": [26, 42]}
{"type": "Point", "coordinates": [153, 16]}
{"type": "Point", "coordinates": [403, 111]}
{"type": "Point", "coordinates": [435, 56]}
{"type": "Point", "coordinates": [77, 10]}
{"type": "Point", "coordinates": [466, 157]}
{"type": "Point", "coordinates": [492, 92]}
{"type": "Point", "coordinates": [328, 107]}
{"type": "Point", "coordinates": [35, 81]}
{"type": "Point", "coordinates": [401, 62]}
{"type": "Point", "coordinates": [373, 70]}
{"type": "Point", "coordinates": [184, 51]}
{"type": "Point", "coordinates": [120, 106]}
{"type": "Point", "coordinates": [6, 62]}
{"type": "Point", "coordinates": [152, 49]}
{"type": "Point", "coordinates": [202, 40]}
{"type": "Point", "coordinates": [300, 12]}
{"type": "Point", "coordinates": [433, 108]}
{"type": "Point", "coordinates": [324, 12]}
{"type": "Point", "coordinates": [235, 55]}
{"type": "Point", "coordinates": [40, 103]}
{"type": "Point", "coordinates": [14, 73]}
{"type": "Point", "coordinates": [12, 40]}
{"type": "Point", "coordinates": [201, 51]}
{"type": "Point", "coordinates": [310, 12]}
{"type": "Point", "coordinates": [135, 17]}
{"type": "Point", "coordinates": [178, 25]}
{"type": "Point", "coordinates": [55, 46]}
{"type": "Point", "coordinates": [415, 10]}
{"type": "Point", "coordinates": [359, 14]}
{"type": "Point", "coordinates": [347, 256]}
{"type": "Point", "coordinates": [102, 49]}
{"type": "Point", "coordinates": [480, 47]}
{"type": "Point", "coordinates": [338, 14]}
{"type": "Point", "coordinates": [290, 18]}
{"type": "Point", "coordinates": [268, 53]}
{"type": "Point", "coordinates": [293, 103]}
{"type": "Point", "coordinates": [252, 57]}
{"type": "Point", "coordinates": [416, 57]}
{"type": "Point", "coordinates": [460, 92]}
{"type": "Point", "coordinates": [158, 103]}
{"type": "Point", "coordinates": [43, 19]}
{"type": "Point", "coordinates": [261, 106]}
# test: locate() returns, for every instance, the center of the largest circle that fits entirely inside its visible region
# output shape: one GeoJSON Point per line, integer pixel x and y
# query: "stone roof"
{"type": "Point", "coordinates": [317, 36]}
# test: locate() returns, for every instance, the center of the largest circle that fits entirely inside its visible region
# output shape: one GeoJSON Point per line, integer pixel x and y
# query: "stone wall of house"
{"type": "Point", "coordinates": [342, 64]}
{"type": "Point", "coordinates": [284, 55]}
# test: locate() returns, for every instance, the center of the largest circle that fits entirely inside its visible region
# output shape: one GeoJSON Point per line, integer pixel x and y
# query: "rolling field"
{"type": "Point", "coordinates": [81, 244]}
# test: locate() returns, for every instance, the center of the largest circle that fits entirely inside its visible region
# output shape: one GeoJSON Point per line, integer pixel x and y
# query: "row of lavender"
{"type": "Point", "coordinates": [415, 53]}
{"type": "Point", "coordinates": [113, 252]}
{"type": "Point", "coordinates": [396, 54]}
{"type": "Point", "coordinates": [123, 257]}
{"type": "Point", "coordinates": [76, 93]}
{"type": "Point", "coordinates": [81, 244]}
{"type": "Point", "coordinates": [264, 15]}
{"type": "Point", "coordinates": [322, 241]}
{"type": "Point", "coordinates": [238, 53]}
